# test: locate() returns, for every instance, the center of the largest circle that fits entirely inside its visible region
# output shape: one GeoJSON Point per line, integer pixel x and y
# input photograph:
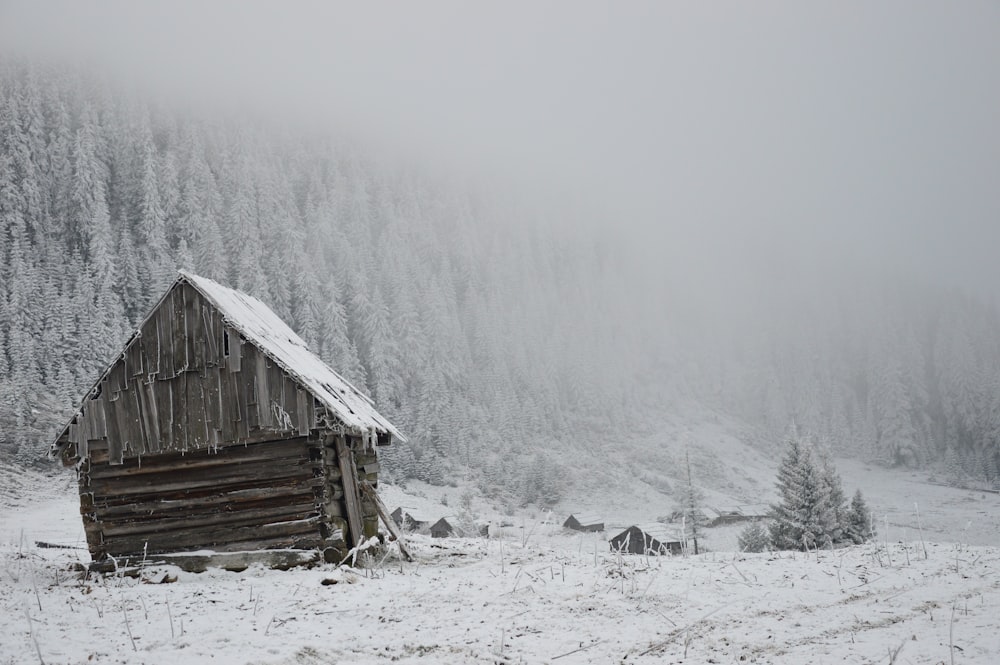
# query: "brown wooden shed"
{"type": "Point", "coordinates": [217, 429]}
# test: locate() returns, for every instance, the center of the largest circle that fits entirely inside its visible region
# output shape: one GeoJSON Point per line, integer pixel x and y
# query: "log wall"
{"type": "Point", "coordinates": [278, 494]}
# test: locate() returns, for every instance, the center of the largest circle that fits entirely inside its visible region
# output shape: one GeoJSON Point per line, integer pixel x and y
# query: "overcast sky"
{"type": "Point", "coordinates": [835, 134]}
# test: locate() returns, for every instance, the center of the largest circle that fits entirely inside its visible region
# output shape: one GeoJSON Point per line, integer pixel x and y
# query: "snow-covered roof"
{"type": "Point", "coordinates": [262, 328]}
{"type": "Point", "coordinates": [661, 532]}
{"type": "Point", "coordinates": [417, 516]}
{"type": "Point", "coordinates": [587, 519]}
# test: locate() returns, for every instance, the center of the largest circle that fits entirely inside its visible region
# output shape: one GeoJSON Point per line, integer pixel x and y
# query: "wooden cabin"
{"type": "Point", "coordinates": [584, 522]}
{"type": "Point", "coordinates": [217, 429]}
{"type": "Point", "coordinates": [397, 516]}
{"type": "Point", "coordinates": [654, 538]}
{"type": "Point", "coordinates": [414, 520]}
{"type": "Point", "coordinates": [442, 529]}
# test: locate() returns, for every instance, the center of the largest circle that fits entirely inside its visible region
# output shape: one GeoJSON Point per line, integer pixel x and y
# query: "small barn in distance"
{"type": "Point", "coordinates": [217, 429]}
{"type": "Point", "coordinates": [654, 538]}
{"type": "Point", "coordinates": [442, 529]}
{"type": "Point", "coordinates": [584, 522]}
{"type": "Point", "coordinates": [397, 516]}
{"type": "Point", "coordinates": [414, 520]}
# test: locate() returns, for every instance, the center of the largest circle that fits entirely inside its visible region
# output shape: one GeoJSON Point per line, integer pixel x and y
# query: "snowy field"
{"type": "Point", "coordinates": [537, 595]}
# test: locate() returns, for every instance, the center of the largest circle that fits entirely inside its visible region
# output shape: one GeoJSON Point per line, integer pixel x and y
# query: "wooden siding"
{"type": "Point", "coordinates": [186, 382]}
{"type": "Point", "coordinates": [263, 495]}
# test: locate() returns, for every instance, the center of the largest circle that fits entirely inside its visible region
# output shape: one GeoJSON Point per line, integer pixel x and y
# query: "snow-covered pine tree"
{"type": "Point", "coordinates": [804, 519]}
{"type": "Point", "coordinates": [754, 538]}
{"type": "Point", "coordinates": [859, 520]}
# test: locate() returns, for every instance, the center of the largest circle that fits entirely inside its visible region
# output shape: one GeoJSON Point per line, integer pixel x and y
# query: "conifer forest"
{"type": "Point", "coordinates": [507, 337]}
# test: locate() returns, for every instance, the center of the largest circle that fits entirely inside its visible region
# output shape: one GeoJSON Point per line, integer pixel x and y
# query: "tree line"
{"type": "Point", "coordinates": [508, 338]}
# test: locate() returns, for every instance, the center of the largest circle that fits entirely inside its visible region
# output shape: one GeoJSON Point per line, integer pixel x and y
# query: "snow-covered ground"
{"type": "Point", "coordinates": [532, 595]}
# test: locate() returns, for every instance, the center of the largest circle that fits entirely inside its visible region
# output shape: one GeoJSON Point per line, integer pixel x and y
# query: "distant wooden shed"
{"type": "Point", "coordinates": [584, 522]}
{"type": "Point", "coordinates": [654, 538]}
{"type": "Point", "coordinates": [415, 520]}
{"type": "Point", "coordinates": [397, 516]}
{"type": "Point", "coordinates": [217, 429]}
{"type": "Point", "coordinates": [442, 528]}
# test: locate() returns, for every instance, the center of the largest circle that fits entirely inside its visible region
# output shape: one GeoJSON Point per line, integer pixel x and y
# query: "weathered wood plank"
{"type": "Point", "coordinates": [179, 326]}
{"type": "Point", "coordinates": [230, 455]}
{"type": "Point", "coordinates": [295, 492]}
{"type": "Point", "coordinates": [217, 480]}
{"type": "Point", "coordinates": [248, 390]}
{"type": "Point", "coordinates": [195, 409]}
{"type": "Point", "coordinates": [150, 353]}
{"type": "Point", "coordinates": [187, 523]}
{"type": "Point", "coordinates": [262, 392]}
{"type": "Point", "coordinates": [100, 424]}
{"type": "Point", "coordinates": [282, 464]}
{"type": "Point", "coordinates": [194, 333]}
{"type": "Point", "coordinates": [164, 341]}
{"type": "Point", "coordinates": [178, 395]}
{"type": "Point", "coordinates": [150, 416]}
{"type": "Point", "coordinates": [133, 357]}
{"type": "Point", "coordinates": [302, 399]}
{"type": "Point", "coordinates": [276, 535]}
{"type": "Point", "coordinates": [278, 485]}
{"type": "Point", "coordinates": [234, 360]}
{"type": "Point", "coordinates": [211, 348]}
{"type": "Point", "coordinates": [352, 499]}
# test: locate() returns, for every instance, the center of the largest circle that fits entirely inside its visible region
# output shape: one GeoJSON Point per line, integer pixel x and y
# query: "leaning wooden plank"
{"type": "Point", "coordinates": [383, 512]}
{"type": "Point", "coordinates": [351, 496]}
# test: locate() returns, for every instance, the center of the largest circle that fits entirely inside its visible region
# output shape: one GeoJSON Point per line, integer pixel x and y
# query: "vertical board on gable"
{"type": "Point", "coordinates": [195, 409]}
{"type": "Point", "coordinates": [150, 416]}
{"type": "Point", "coordinates": [100, 425]}
{"type": "Point", "coordinates": [213, 403]}
{"type": "Point", "coordinates": [230, 411]}
{"type": "Point", "coordinates": [150, 352]}
{"type": "Point", "coordinates": [110, 419]}
{"type": "Point", "coordinates": [275, 402]}
{"type": "Point", "coordinates": [238, 406]}
{"type": "Point", "coordinates": [181, 439]}
{"type": "Point", "coordinates": [178, 326]}
{"type": "Point", "coordinates": [235, 358]}
{"type": "Point", "coordinates": [211, 341]}
{"type": "Point", "coordinates": [303, 399]}
{"type": "Point", "coordinates": [136, 439]}
{"type": "Point", "coordinates": [265, 416]}
{"type": "Point", "coordinates": [290, 402]}
{"type": "Point", "coordinates": [133, 357]}
{"type": "Point", "coordinates": [165, 413]}
{"type": "Point", "coordinates": [164, 339]}
{"type": "Point", "coordinates": [115, 382]}
{"type": "Point", "coordinates": [120, 413]}
{"type": "Point", "coordinates": [194, 330]}
{"type": "Point", "coordinates": [248, 389]}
